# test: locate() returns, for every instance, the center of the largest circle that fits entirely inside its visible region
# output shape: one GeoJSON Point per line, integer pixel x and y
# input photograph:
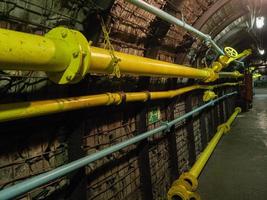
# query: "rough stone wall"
{"type": "Point", "coordinates": [32, 146]}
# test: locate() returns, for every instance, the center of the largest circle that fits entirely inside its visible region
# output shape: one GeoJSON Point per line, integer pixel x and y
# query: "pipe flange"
{"type": "Point", "coordinates": [217, 66]}
{"type": "Point", "coordinates": [179, 189]}
{"type": "Point", "coordinates": [238, 109]}
{"type": "Point", "coordinates": [212, 77]}
{"type": "Point", "coordinates": [180, 192]}
{"type": "Point", "coordinates": [226, 128]}
{"type": "Point", "coordinates": [190, 179]}
{"type": "Point", "coordinates": [79, 52]}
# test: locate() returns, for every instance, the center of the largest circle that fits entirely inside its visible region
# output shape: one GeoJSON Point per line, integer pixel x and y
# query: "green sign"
{"type": "Point", "coordinates": [154, 116]}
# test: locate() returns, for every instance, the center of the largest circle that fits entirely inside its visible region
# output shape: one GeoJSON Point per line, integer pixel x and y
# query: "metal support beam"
{"type": "Point", "coordinates": [190, 131]}
{"type": "Point", "coordinates": [143, 148]}
{"type": "Point", "coordinates": [171, 137]}
{"type": "Point", "coordinates": [78, 182]}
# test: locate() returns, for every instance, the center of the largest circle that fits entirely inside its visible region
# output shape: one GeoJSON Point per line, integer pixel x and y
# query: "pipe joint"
{"type": "Point", "coordinates": [217, 66]}
{"type": "Point", "coordinates": [238, 109]}
{"type": "Point", "coordinates": [190, 179]}
{"type": "Point", "coordinates": [209, 95]}
{"type": "Point", "coordinates": [212, 75]}
{"type": "Point", "coordinates": [180, 190]}
{"type": "Point", "coordinates": [78, 51]}
{"type": "Point", "coordinates": [225, 127]}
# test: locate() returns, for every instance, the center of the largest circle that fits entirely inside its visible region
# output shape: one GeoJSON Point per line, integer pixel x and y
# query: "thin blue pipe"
{"type": "Point", "coordinates": [173, 20]}
{"type": "Point", "coordinates": [31, 183]}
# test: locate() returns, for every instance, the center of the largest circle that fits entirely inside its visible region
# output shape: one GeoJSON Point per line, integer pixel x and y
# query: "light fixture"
{"type": "Point", "coordinates": [259, 22]}
{"type": "Point", "coordinates": [261, 51]}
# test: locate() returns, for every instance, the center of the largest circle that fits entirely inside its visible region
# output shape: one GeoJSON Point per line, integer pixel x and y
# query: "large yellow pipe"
{"type": "Point", "coordinates": [130, 64]}
{"type": "Point", "coordinates": [67, 57]}
{"type": "Point", "coordinates": [23, 51]}
{"type": "Point", "coordinates": [184, 188]}
{"type": "Point", "coordinates": [28, 109]}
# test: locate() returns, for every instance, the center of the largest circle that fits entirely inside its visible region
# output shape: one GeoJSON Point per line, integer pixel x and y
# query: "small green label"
{"type": "Point", "coordinates": [154, 116]}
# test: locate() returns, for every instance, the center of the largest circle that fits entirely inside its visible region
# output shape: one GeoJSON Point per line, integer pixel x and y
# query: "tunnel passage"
{"type": "Point", "coordinates": [123, 99]}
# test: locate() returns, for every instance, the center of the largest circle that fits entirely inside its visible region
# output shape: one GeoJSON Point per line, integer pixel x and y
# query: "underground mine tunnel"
{"type": "Point", "coordinates": [133, 100]}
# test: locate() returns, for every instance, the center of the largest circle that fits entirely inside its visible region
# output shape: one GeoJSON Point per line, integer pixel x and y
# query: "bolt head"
{"type": "Point", "coordinates": [64, 34]}
{"type": "Point", "coordinates": [75, 54]}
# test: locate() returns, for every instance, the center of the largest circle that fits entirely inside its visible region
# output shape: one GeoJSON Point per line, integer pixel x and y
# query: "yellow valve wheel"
{"type": "Point", "coordinates": [231, 52]}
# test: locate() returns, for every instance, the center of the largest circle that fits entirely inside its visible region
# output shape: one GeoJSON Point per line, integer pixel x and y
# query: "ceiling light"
{"type": "Point", "coordinates": [261, 51]}
{"type": "Point", "coordinates": [259, 22]}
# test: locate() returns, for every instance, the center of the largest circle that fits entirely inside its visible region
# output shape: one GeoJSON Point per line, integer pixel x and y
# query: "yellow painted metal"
{"type": "Point", "coordinates": [130, 64]}
{"type": "Point", "coordinates": [187, 182]}
{"type": "Point", "coordinates": [32, 52]}
{"type": "Point", "coordinates": [21, 110]}
{"type": "Point", "coordinates": [79, 55]}
{"type": "Point", "coordinates": [209, 95]}
{"type": "Point", "coordinates": [230, 55]}
{"type": "Point", "coordinates": [235, 74]}
{"type": "Point", "coordinates": [203, 158]}
{"type": "Point", "coordinates": [66, 56]}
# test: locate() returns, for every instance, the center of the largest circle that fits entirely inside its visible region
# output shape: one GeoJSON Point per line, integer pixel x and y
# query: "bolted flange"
{"type": "Point", "coordinates": [79, 53]}
{"type": "Point", "coordinates": [213, 76]}
{"type": "Point", "coordinates": [190, 179]}
{"type": "Point", "coordinates": [180, 190]}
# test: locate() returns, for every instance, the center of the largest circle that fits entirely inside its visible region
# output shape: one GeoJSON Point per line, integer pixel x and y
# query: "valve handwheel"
{"type": "Point", "coordinates": [230, 52]}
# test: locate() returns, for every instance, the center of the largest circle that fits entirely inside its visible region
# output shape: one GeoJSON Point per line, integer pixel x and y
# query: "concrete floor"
{"type": "Point", "coordinates": [237, 169]}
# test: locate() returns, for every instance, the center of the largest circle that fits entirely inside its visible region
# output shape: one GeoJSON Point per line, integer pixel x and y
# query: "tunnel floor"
{"type": "Point", "coordinates": [237, 169]}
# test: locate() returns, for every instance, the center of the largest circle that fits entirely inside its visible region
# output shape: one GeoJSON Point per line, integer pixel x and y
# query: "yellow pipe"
{"type": "Point", "coordinates": [25, 51]}
{"type": "Point", "coordinates": [67, 57]}
{"type": "Point", "coordinates": [235, 74]}
{"type": "Point", "coordinates": [13, 111]}
{"type": "Point", "coordinates": [186, 185]}
{"type": "Point", "coordinates": [130, 64]}
{"type": "Point", "coordinates": [203, 158]}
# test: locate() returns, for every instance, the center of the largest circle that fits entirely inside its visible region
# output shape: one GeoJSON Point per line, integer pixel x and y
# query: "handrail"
{"type": "Point", "coordinates": [31, 183]}
{"type": "Point", "coordinates": [20, 110]}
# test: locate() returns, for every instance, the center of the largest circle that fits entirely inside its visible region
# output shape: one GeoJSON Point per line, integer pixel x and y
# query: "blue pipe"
{"type": "Point", "coordinates": [31, 183]}
{"type": "Point", "coordinates": [173, 20]}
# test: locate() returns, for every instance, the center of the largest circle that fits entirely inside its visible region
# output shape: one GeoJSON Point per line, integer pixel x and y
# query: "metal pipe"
{"type": "Point", "coordinates": [235, 74]}
{"type": "Point", "coordinates": [185, 187]}
{"type": "Point", "coordinates": [67, 57]}
{"type": "Point", "coordinates": [31, 52]}
{"type": "Point", "coordinates": [173, 20]}
{"type": "Point", "coordinates": [31, 183]}
{"type": "Point", "coordinates": [20, 110]}
{"type": "Point", "coordinates": [205, 155]}
{"type": "Point", "coordinates": [130, 64]}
